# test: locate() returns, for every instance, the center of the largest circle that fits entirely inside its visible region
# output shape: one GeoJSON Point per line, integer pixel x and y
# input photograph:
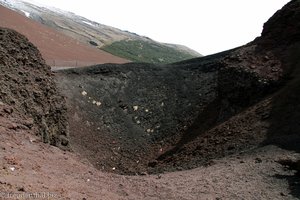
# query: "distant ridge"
{"type": "Point", "coordinates": [122, 43]}
{"type": "Point", "coordinates": [56, 48]}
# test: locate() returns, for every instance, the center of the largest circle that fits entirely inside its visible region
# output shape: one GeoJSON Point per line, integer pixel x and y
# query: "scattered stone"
{"type": "Point", "coordinates": [11, 160]}
{"type": "Point", "coordinates": [258, 160]}
{"type": "Point", "coordinates": [144, 173]}
{"type": "Point", "coordinates": [135, 108]}
{"type": "Point", "coordinates": [153, 163]}
{"type": "Point", "coordinates": [21, 189]}
{"type": "Point", "coordinates": [28, 123]}
{"type": "Point", "coordinates": [8, 110]}
{"type": "Point", "coordinates": [230, 147]}
{"type": "Point", "coordinates": [12, 169]}
{"type": "Point", "coordinates": [84, 93]}
{"type": "Point", "coordinates": [179, 168]}
{"type": "Point", "coordinates": [282, 194]}
{"type": "Point", "coordinates": [93, 43]}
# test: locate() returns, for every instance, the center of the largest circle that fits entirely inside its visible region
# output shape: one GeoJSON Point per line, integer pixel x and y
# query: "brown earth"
{"type": "Point", "coordinates": [31, 167]}
{"type": "Point", "coordinates": [232, 117]}
{"type": "Point", "coordinates": [56, 48]}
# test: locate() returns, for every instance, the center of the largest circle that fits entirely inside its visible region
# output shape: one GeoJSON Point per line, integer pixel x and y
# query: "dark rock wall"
{"type": "Point", "coordinates": [27, 86]}
{"type": "Point", "coordinates": [282, 29]}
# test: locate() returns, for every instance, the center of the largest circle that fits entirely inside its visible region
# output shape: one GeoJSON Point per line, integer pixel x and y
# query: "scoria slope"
{"type": "Point", "coordinates": [143, 118]}
{"type": "Point", "coordinates": [28, 91]}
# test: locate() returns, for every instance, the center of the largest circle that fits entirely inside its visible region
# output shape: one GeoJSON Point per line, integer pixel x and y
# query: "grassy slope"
{"type": "Point", "coordinates": [143, 51]}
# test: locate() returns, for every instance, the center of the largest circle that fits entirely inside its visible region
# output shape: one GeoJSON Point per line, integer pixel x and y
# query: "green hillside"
{"type": "Point", "coordinates": [144, 51]}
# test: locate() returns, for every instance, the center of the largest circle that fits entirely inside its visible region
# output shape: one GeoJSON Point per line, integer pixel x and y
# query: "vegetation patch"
{"type": "Point", "coordinates": [144, 51]}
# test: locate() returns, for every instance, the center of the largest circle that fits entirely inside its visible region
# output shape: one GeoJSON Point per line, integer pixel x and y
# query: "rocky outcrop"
{"type": "Point", "coordinates": [282, 29]}
{"type": "Point", "coordinates": [28, 91]}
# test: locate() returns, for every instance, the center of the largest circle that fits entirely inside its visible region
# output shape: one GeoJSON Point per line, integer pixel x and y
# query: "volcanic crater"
{"type": "Point", "coordinates": [158, 118]}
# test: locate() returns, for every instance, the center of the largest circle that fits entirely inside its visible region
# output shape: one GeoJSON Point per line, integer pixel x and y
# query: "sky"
{"type": "Point", "coordinates": [207, 26]}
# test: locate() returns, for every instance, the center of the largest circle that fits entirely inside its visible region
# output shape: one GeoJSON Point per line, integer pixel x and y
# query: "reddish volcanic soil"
{"type": "Point", "coordinates": [31, 167]}
{"type": "Point", "coordinates": [54, 45]}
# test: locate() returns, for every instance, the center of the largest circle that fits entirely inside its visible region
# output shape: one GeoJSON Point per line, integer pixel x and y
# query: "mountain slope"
{"type": "Point", "coordinates": [145, 51]}
{"type": "Point", "coordinates": [56, 48]}
{"type": "Point", "coordinates": [104, 37]}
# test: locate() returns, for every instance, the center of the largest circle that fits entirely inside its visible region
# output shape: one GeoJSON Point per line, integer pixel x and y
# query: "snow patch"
{"type": "Point", "coordinates": [27, 14]}
{"type": "Point", "coordinates": [89, 23]}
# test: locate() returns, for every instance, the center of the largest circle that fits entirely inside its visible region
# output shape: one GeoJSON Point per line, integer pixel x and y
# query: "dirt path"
{"type": "Point", "coordinates": [60, 68]}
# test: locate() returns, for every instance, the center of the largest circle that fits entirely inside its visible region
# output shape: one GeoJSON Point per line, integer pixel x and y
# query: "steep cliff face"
{"type": "Point", "coordinates": [28, 91]}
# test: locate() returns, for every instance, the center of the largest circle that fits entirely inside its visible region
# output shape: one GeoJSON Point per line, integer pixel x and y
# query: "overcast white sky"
{"type": "Point", "coordinates": [207, 26]}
